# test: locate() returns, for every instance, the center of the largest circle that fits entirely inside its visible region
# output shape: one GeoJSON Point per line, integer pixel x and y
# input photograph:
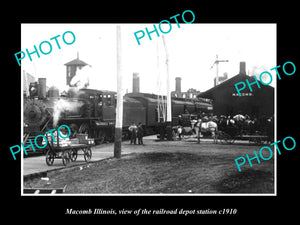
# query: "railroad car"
{"type": "Point", "coordinates": [179, 107]}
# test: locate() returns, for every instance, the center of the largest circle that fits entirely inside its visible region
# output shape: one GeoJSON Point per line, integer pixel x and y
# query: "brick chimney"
{"type": "Point", "coordinates": [135, 83]}
{"type": "Point", "coordinates": [178, 84]}
{"type": "Point", "coordinates": [243, 68]}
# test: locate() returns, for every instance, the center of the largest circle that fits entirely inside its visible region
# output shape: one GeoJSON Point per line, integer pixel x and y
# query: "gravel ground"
{"type": "Point", "coordinates": [177, 167]}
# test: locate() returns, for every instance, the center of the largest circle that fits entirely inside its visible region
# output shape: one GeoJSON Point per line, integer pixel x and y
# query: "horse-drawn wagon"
{"type": "Point", "coordinates": [238, 129]}
{"type": "Point", "coordinates": [226, 138]}
{"type": "Point", "coordinates": [228, 129]}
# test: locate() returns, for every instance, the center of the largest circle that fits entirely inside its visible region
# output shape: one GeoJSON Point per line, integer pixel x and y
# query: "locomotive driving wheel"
{"type": "Point", "coordinates": [74, 129]}
{"type": "Point", "coordinates": [100, 137]}
{"type": "Point", "coordinates": [84, 128]}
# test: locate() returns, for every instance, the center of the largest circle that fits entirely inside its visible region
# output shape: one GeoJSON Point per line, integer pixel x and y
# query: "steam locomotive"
{"type": "Point", "coordinates": [93, 111]}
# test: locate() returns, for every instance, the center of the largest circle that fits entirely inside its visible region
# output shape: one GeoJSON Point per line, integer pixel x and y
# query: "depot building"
{"type": "Point", "coordinates": [226, 101]}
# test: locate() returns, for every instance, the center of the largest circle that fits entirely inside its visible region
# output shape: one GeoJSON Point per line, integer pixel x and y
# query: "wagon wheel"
{"type": "Point", "coordinates": [50, 157]}
{"type": "Point", "coordinates": [73, 155]}
{"type": "Point", "coordinates": [222, 137]}
{"type": "Point", "coordinates": [65, 158]}
{"type": "Point", "coordinates": [87, 154]}
{"type": "Point", "coordinates": [252, 141]}
{"type": "Point", "coordinates": [230, 140]}
{"type": "Point", "coordinates": [259, 141]}
{"type": "Point", "coordinates": [225, 138]}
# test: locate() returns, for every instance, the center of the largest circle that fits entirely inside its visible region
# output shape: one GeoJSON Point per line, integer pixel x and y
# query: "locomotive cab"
{"type": "Point", "coordinates": [97, 114]}
{"type": "Point", "coordinates": [108, 106]}
{"type": "Point", "coordinates": [102, 103]}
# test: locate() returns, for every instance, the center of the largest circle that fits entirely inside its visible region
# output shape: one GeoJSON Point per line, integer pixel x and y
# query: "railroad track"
{"type": "Point", "coordinates": [44, 190]}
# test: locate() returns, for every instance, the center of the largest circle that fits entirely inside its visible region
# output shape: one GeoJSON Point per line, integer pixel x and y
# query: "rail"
{"type": "Point", "coordinates": [44, 190]}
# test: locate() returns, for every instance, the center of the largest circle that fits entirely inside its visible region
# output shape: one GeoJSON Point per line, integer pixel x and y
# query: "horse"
{"type": "Point", "coordinates": [213, 128]}
{"type": "Point", "coordinates": [210, 126]}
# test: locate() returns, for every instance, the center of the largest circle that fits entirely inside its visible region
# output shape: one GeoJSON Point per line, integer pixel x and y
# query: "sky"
{"type": "Point", "coordinates": [192, 50]}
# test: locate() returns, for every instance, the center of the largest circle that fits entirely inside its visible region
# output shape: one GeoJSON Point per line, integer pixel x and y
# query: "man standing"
{"type": "Point", "coordinates": [213, 128]}
{"type": "Point", "coordinates": [140, 134]}
{"type": "Point", "coordinates": [197, 128]}
{"type": "Point", "coordinates": [133, 130]}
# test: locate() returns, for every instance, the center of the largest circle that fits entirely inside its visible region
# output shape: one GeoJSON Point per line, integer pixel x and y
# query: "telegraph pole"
{"type": "Point", "coordinates": [217, 68]}
{"type": "Point", "coordinates": [169, 103]}
{"type": "Point", "coordinates": [169, 108]}
{"type": "Point", "coordinates": [119, 109]}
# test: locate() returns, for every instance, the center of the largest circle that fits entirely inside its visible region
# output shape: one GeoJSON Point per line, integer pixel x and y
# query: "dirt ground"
{"type": "Point", "coordinates": [177, 167]}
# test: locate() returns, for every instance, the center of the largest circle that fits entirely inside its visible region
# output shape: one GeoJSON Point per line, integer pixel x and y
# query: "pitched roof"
{"type": "Point", "coordinates": [231, 81]}
{"type": "Point", "coordinates": [76, 62]}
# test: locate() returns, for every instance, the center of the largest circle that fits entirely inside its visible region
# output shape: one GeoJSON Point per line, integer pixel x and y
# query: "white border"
{"type": "Point", "coordinates": [145, 194]}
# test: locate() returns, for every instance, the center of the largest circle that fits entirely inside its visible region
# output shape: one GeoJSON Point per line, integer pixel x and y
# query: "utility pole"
{"type": "Point", "coordinates": [169, 103]}
{"type": "Point", "coordinates": [217, 68]}
{"type": "Point", "coordinates": [119, 109]}
{"type": "Point", "coordinates": [169, 108]}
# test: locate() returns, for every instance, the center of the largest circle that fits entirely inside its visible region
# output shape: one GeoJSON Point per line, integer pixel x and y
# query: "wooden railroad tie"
{"type": "Point", "coordinates": [44, 190]}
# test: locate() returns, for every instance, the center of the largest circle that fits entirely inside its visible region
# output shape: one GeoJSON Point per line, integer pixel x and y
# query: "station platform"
{"type": "Point", "coordinates": [36, 166]}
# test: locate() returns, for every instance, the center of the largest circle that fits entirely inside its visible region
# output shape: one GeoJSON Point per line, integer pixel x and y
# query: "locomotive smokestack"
{"type": "Point", "coordinates": [135, 83]}
{"type": "Point", "coordinates": [42, 88]}
{"type": "Point", "coordinates": [178, 84]}
{"type": "Point", "coordinates": [243, 68]}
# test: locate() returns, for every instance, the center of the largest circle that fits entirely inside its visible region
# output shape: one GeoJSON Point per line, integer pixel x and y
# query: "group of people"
{"type": "Point", "coordinates": [237, 124]}
{"type": "Point", "coordinates": [244, 124]}
{"type": "Point", "coordinates": [210, 124]}
{"type": "Point", "coordinates": [136, 132]}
